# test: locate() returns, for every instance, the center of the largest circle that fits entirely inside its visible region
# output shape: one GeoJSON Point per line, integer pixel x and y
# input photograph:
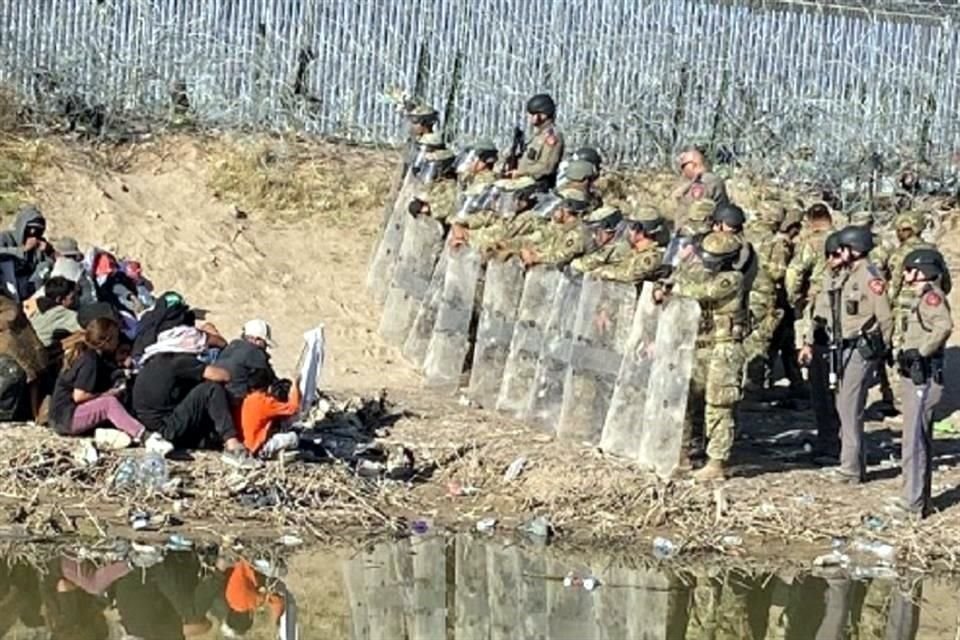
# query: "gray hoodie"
{"type": "Point", "coordinates": [11, 242]}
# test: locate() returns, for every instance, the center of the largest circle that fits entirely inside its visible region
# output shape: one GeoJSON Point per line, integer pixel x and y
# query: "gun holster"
{"type": "Point", "coordinates": [871, 347]}
{"type": "Point", "coordinates": [915, 367]}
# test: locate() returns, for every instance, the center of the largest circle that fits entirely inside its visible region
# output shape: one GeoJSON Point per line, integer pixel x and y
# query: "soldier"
{"type": "Point", "coordinates": [605, 243]}
{"type": "Point", "coordinates": [561, 241]}
{"type": "Point", "coordinates": [582, 175]}
{"type": "Point", "coordinates": [542, 157]}
{"type": "Point", "coordinates": [927, 326]}
{"type": "Point", "coordinates": [636, 255]}
{"type": "Point", "coordinates": [475, 165]}
{"type": "Point", "coordinates": [826, 451]}
{"type": "Point", "coordinates": [908, 226]}
{"type": "Point", "coordinates": [531, 227]}
{"type": "Point", "coordinates": [485, 219]}
{"type": "Point", "coordinates": [805, 272]}
{"type": "Point", "coordinates": [783, 343]}
{"type": "Point", "coordinates": [436, 170]}
{"type": "Point", "coordinates": [772, 253]}
{"type": "Point", "coordinates": [423, 120]}
{"type": "Point", "coordinates": [698, 181]}
{"type": "Point", "coordinates": [715, 387]}
{"type": "Point", "coordinates": [854, 309]}
{"type": "Point", "coordinates": [729, 218]}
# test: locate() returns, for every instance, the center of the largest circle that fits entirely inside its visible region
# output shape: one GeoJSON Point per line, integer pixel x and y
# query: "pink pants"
{"type": "Point", "coordinates": [92, 413]}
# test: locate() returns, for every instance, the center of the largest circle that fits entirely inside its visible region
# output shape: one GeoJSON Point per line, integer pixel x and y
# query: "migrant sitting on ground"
{"type": "Point", "coordinates": [267, 404]}
{"type": "Point", "coordinates": [53, 315]}
{"type": "Point", "coordinates": [246, 355]}
{"type": "Point", "coordinates": [85, 397]}
{"type": "Point", "coordinates": [24, 249]}
{"type": "Point", "coordinates": [23, 363]}
{"type": "Point", "coordinates": [183, 399]}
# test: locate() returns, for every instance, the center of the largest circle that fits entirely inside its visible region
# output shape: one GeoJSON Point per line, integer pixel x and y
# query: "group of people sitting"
{"type": "Point", "coordinates": [86, 347]}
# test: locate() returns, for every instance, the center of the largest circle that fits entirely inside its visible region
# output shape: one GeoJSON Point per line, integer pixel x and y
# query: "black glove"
{"type": "Point", "coordinates": [415, 208]}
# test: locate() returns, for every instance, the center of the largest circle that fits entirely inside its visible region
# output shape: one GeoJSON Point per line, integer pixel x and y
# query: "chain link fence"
{"type": "Point", "coordinates": [797, 87]}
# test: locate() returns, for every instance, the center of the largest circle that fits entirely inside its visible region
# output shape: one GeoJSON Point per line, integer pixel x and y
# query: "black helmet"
{"type": "Point", "coordinates": [927, 261]}
{"type": "Point", "coordinates": [588, 154]}
{"type": "Point", "coordinates": [729, 214]}
{"type": "Point", "coordinates": [719, 251]}
{"type": "Point", "coordinates": [542, 103]}
{"type": "Point", "coordinates": [859, 239]}
{"type": "Point", "coordinates": [832, 244]}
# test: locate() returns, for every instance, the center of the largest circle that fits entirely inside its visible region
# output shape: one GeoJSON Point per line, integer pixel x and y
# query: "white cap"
{"type": "Point", "coordinates": [258, 329]}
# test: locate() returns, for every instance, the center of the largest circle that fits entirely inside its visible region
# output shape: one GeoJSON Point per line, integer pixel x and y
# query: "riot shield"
{"type": "Point", "coordinates": [503, 287]}
{"type": "Point", "coordinates": [415, 347]}
{"type": "Point", "coordinates": [422, 243]}
{"type": "Point", "coordinates": [451, 332]}
{"type": "Point", "coordinates": [603, 323]}
{"type": "Point", "coordinates": [385, 254]}
{"type": "Point", "coordinates": [661, 433]}
{"type": "Point", "coordinates": [546, 398]}
{"type": "Point", "coordinates": [539, 288]}
{"type": "Point", "coordinates": [621, 428]}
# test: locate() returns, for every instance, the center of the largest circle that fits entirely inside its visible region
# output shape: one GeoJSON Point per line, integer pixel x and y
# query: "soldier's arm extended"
{"type": "Point", "coordinates": [633, 268]}
{"type": "Point", "coordinates": [934, 314]}
{"type": "Point", "coordinates": [561, 247]}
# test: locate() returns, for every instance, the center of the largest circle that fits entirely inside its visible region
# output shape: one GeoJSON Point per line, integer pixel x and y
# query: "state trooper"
{"type": "Point", "coordinates": [853, 307]}
{"type": "Point", "coordinates": [698, 181]}
{"type": "Point", "coordinates": [909, 226]}
{"type": "Point", "coordinates": [716, 383]}
{"type": "Point", "coordinates": [927, 326]}
{"type": "Point", "coordinates": [541, 158]}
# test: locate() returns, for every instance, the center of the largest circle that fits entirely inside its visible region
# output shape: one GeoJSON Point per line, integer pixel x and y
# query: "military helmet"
{"type": "Point", "coordinates": [857, 238]}
{"type": "Point", "coordinates": [574, 200]}
{"type": "Point", "coordinates": [862, 218]}
{"type": "Point", "coordinates": [913, 220]}
{"type": "Point", "coordinates": [772, 213]}
{"type": "Point", "coordinates": [580, 170]}
{"type": "Point", "coordinates": [645, 218]}
{"type": "Point", "coordinates": [588, 154]}
{"type": "Point", "coordinates": [832, 244]}
{"type": "Point", "coordinates": [719, 250]}
{"type": "Point", "coordinates": [927, 261]}
{"type": "Point", "coordinates": [605, 217]}
{"type": "Point", "coordinates": [542, 103]}
{"type": "Point", "coordinates": [701, 210]}
{"type": "Point", "coordinates": [431, 140]}
{"type": "Point", "coordinates": [730, 215]}
{"type": "Point", "coordinates": [422, 114]}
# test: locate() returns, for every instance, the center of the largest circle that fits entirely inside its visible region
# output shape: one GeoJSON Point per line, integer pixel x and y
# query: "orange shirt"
{"type": "Point", "coordinates": [245, 592]}
{"type": "Point", "coordinates": [257, 413]}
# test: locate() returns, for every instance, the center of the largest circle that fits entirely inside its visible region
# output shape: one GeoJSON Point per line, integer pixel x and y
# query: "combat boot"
{"type": "Point", "coordinates": [714, 470]}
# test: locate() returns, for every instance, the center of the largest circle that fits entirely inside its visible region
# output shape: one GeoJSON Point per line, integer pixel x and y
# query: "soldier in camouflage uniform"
{"type": "Point", "coordinates": [541, 159]}
{"type": "Point", "coordinates": [558, 243]}
{"type": "Point", "coordinates": [532, 227]}
{"type": "Point", "coordinates": [580, 175]}
{"type": "Point", "coordinates": [783, 345]}
{"type": "Point", "coordinates": [772, 253]}
{"type": "Point", "coordinates": [475, 166]}
{"type": "Point", "coordinates": [423, 120]}
{"type": "Point", "coordinates": [602, 224]}
{"type": "Point", "coordinates": [909, 226]}
{"type": "Point", "coordinates": [715, 387]}
{"type": "Point", "coordinates": [698, 181]}
{"type": "Point", "coordinates": [483, 223]}
{"type": "Point", "coordinates": [805, 271]}
{"type": "Point", "coordinates": [635, 256]}
{"type": "Point", "coordinates": [437, 168]}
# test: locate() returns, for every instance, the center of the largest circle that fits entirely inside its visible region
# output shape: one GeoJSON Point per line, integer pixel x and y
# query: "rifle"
{"type": "Point", "coordinates": [836, 340]}
{"type": "Point", "coordinates": [517, 146]}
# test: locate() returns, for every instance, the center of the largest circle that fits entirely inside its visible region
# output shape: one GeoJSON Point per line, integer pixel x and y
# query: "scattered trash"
{"type": "Point", "coordinates": [873, 523]}
{"type": "Point", "coordinates": [86, 454]}
{"type": "Point", "coordinates": [874, 573]}
{"type": "Point", "coordinates": [370, 469]}
{"type": "Point", "coordinates": [139, 520]}
{"type": "Point", "coordinates": [178, 542]}
{"type": "Point", "coordinates": [144, 556]}
{"type": "Point", "coordinates": [421, 526]}
{"type": "Point", "coordinates": [457, 490]}
{"type": "Point", "coordinates": [400, 463]}
{"type": "Point", "coordinates": [289, 540]}
{"type": "Point", "coordinates": [539, 528]}
{"type": "Point", "coordinates": [486, 525]}
{"type": "Point", "coordinates": [663, 548]}
{"type": "Point", "coordinates": [838, 543]}
{"type": "Point", "coordinates": [832, 559]}
{"type": "Point", "coordinates": [880, 550]}
{"type": "Point", "coordinates": [588, 583]}
{"type": "Point", "coordinates": [515, 469]}
{"type": "Point", "coordinates": [731, 541]}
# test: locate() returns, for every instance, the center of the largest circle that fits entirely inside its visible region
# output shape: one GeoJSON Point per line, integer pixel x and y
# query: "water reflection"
{"type": "Point", "coordinates": [469, 589]}
{"type": "Point", "coordinates": [435, 588]}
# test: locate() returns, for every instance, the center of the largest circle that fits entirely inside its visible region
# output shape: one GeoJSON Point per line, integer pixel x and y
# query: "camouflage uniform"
{"type": "Point", "coordinates": [880, 254]}
{"type": "Point", "coordinates": [696, 220]}
{"type": "Point", "coordinates": [486, 227]}
{"type": "Point", "coordinates": [605, 244]}
{"type": "Point", "coordinates": [715, 387]}
{"type": "Point", "coordinates": [805, 273]}
{"type": "Point", "coordinates": [532, 228]}
{"type": "Point", "coordinates": [627, 263]}
{"type": "Point", "coordinates": [542, 156]}
{"type": "Point", "coordinates": [772, 254]}
{"type": "Point", "coordinates": [441, 196]}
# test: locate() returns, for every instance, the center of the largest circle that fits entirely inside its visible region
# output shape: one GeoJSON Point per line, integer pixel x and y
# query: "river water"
{"type": "Point", "coordinates": [436, 588]}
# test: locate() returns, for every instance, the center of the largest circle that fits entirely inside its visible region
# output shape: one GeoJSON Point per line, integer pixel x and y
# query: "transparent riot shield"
{"type": "Point", "coordinates": [602, 326]}
{"type": "Point", "coordinates": [418, 339]}
{"type": "Point", "coordinates": [450, 341]}
{"type": "Point", "coordinates": [421, 245]}
{"type": "Point", "coordinates": [539, 287]}
{"type": "Point", "coordinates": [621, 428]}
{"type": "Point", "coordinates": [503, 287]}
{"type": "Point", "coordinates": [546, 397]}
{"type": "Point", "coordinates": [665, 405]}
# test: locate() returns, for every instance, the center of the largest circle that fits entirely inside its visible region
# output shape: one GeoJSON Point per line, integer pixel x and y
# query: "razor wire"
{"type": "Point", "coordinates": [801, 89]}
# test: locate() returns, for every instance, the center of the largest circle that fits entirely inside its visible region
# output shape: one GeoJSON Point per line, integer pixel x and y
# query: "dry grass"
{"type": "Point", "coordinates": [295, 179]}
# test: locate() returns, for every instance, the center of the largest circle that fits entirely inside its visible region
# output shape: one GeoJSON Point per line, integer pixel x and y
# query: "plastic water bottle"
{"type": "Point", "coordinates": [127, 473]}
{"type": "Point", "coordinates": [153, 471]}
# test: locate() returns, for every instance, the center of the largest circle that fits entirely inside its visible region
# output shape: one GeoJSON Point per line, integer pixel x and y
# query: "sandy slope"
{"type": "Point", "coordinates": [295, 275]}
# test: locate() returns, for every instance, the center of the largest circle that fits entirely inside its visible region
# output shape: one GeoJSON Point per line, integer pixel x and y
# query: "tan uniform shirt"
{"type": "Point", "coordinates": [706, 185]}
{"type": "Point", "coordinates": [928, 324]}
{"type": "Point", "coordinates": [542, 157]}
{"type": "Point", "coordinates": [863, 303]}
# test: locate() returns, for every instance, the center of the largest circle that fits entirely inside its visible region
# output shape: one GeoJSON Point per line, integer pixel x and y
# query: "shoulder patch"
{"type": "Point", "coordinates": [697, 190]}
{"type": "Point", "coordinates": [878, 286]}
{"type": "Point", "coordinates": [933, 299]}
{"type": "Point", "coordinates": [551, 139]}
